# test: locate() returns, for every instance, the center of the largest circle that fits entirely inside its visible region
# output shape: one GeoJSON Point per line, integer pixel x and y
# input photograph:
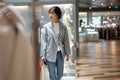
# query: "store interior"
{"type": "Point", "coordinates": [93, 21]}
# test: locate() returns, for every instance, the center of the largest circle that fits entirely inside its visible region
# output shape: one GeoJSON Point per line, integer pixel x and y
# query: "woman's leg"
{"type": "Point", "coordinates": [51, 69]}
{"type": "Point", "coordinates": [60, 65]}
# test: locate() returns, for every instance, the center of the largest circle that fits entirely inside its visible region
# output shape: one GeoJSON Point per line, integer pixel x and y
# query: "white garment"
{"type": "Point", "coordinates": [44, 74]}
{"type": "Point", "coordinates": [67, 20]}
{"type": "Point", "coordinates": [69, 24]}
{"type": "Point", "coordinates": [56, 30]}
{"type": "Point", "coordinates": [56, 27]}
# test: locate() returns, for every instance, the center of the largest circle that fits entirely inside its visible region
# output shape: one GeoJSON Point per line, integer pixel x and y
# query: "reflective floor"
{"type": "Point", "coordinates": [69, 71]}
{"type": "Point", "coordinates": [99, 61]}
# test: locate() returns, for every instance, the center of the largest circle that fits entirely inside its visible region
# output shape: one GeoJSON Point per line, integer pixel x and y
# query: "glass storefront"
{"type": "Point", "coordinates": [105, 25]}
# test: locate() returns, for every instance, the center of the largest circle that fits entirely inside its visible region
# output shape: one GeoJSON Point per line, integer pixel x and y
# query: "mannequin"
{"type": "Point", "coordinates": [17, 61]}
{"type": "Point", "coordinates": [67, 19]}
{"type": "Point", "coordinates": [68, 22]}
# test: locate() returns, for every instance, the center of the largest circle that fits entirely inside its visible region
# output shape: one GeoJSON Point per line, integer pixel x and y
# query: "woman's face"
{"type": "Point", "coordinates": [53, 16]}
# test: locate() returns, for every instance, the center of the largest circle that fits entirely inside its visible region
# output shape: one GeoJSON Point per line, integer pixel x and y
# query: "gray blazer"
{"type": "Point", "coordinates": [48, 42]}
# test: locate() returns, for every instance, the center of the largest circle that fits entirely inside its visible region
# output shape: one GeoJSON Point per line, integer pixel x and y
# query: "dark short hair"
{"type": "Point", "coordinates": [57, 10]}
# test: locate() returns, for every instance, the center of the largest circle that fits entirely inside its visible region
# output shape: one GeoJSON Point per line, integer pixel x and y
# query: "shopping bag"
{"type": "Point", "coordinates": [40, 67]}
{"type": "Point", "coordinates": [44, 75]}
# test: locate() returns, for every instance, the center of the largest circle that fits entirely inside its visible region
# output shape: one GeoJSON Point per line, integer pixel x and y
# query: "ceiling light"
{"type": "Point", "coordinates": [90, 7]}
{"type": "Point", "coordinates": [109, 6]}
{"type": "Point", "coordinates": [102, 4]}
{"type": "Point", "coordinates": [111, 3]}
{"type": "Point", "coordinates": [60, 5]}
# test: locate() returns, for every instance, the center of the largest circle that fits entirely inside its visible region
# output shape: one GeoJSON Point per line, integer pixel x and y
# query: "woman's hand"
{"type": "Point", "coordinates": [67, 57]}
{"type": "Point", "coordinates": [43, 59]}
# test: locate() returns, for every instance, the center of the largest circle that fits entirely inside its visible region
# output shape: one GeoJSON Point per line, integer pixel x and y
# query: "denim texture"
{"type": "Point", "coordinates": [56, 68]}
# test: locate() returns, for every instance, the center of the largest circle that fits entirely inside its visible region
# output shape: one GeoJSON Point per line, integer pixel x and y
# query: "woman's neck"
{"type": "Point", "coordinates": [55, 21]}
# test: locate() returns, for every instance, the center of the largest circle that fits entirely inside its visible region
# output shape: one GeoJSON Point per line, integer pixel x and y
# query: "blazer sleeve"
{"type": "Point", "coordinates": [43, 42]}
{"type": "Point", "coordinates": [66, 42]}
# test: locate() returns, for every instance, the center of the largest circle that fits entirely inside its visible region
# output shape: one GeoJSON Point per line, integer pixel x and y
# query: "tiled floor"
{"type": "Point", "coordinates": [99, 61]}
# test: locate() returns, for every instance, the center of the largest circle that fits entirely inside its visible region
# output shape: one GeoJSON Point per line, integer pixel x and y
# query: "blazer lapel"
{"type": "Point", "coordinates": [60, 36]}
{"type": "Point", "coordinates": [61, 32]}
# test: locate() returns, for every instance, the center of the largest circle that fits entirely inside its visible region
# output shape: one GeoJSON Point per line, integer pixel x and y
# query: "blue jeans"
{"type": "Point", "coordinates": [56, 68]}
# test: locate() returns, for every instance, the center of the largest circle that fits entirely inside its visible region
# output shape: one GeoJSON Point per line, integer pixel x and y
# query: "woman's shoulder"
{"type": "Point", "coordinates": [63, 25]}
{"type": "Point", "coordinates": [48, 23]}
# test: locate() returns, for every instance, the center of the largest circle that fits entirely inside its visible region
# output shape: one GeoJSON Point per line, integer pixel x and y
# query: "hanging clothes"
{"type": "Point", "coordinates": [18, 60]}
